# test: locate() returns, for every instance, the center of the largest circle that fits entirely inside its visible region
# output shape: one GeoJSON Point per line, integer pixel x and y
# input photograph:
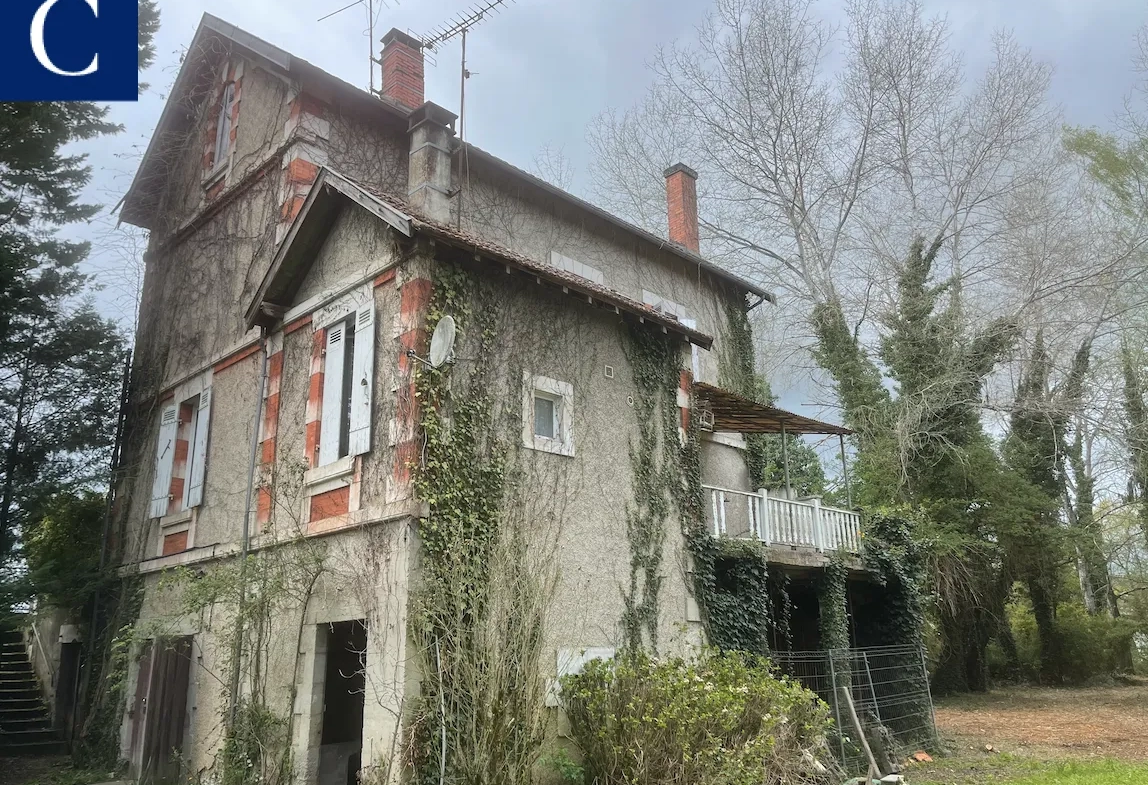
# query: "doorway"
{"type": "Point", "coordinates": [344, 699]}
{"type": "Point", "coordinates": [159, 719]}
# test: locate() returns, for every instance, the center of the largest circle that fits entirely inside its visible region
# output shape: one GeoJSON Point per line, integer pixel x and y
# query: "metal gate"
{"type": "Point", "coordinates": [889, 686]}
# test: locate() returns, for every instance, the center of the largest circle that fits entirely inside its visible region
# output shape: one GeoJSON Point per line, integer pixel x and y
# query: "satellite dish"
{"type": "Point", "coordinates": [442, 342]}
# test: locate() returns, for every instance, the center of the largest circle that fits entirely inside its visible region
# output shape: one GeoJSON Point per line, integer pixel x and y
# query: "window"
{"type": "Point", "coordinates": [348, 376]}
{"type": "Point", "coordinates": [547, 414]}
{"type": "Point", "coordinates": [181, 450]}
{"type": "Point", "coordinates": [223, 125]}
{"type": "Point", "coordinates": [577, 268]}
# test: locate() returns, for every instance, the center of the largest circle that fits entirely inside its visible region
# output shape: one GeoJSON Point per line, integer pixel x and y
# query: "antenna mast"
{"type": "Point", "coordinates": [370, 4]}
{"type": "Point", "coordinates": [458, 27]}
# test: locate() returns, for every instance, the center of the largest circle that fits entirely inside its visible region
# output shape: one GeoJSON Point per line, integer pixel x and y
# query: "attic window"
{"type": "Point", "coordinates": [223, 126]}
{"type": "Point", "coordinates": [578, 268]}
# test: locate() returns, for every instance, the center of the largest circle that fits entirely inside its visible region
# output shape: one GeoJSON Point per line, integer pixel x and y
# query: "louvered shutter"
{"type": "Point", "coordinates": [164, 458]}
{"type": "Point", "coordinates": [362, 380]}
{"type": "Point", "coordinates": [332, 394]}
{"type": "Point", "coordinates": [199, 451]}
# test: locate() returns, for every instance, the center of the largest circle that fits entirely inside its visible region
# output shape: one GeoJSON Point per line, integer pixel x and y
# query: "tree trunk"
{"type": "Point", "coordinates": [1044, 612]}
{"type": "Point", "coordinates": [11, 458]}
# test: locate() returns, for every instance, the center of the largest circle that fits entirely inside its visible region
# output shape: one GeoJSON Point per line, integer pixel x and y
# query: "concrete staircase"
{"type": "Point", "coordinates": [25, 725]}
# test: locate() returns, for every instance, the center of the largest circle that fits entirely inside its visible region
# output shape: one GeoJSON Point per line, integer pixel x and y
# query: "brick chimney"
{"type": "Point", "coordinates": [429, 170]}
{"type": "Point", "coordinates": [403, 68]}
{"type": "Point", "coordinates": [682, 205]}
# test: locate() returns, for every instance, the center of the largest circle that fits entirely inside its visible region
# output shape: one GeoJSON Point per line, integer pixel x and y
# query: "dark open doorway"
{"type": "Point", "coordinates": [344, 686]}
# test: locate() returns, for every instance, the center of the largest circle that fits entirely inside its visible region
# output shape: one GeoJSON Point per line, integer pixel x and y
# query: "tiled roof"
{"type": "Point", "coordinates": [604, 295]}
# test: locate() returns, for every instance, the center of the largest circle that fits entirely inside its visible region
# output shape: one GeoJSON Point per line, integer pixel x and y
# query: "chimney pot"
{"type": "Point", "coordinates": [682, 205]}
{"type": "Point", "coordinates": [403, 68]}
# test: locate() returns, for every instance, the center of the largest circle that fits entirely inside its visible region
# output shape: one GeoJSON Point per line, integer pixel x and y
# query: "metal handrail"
{"type": "Point", "coordinates": [44, 655]}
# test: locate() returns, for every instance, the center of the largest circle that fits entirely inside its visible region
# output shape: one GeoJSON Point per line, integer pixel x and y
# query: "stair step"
{"type": "Point", "coordinates": [23, 735]}
{"type": "Point", "coordinates": [30, 725]}
{"type": "Point", "coordinates": [52, 747]}
{"type": "Point", "coordinates": [22, 705]}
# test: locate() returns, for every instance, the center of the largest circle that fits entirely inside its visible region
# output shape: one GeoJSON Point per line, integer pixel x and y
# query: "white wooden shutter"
{"type": "Point", "coordinates": [164, 458]}
{"type": "Point", "coordinates": [332, 415]}
{"type": "Point", "coordinates": [194, 494]}
{"type": "Point", "coordinates": [362, 380]}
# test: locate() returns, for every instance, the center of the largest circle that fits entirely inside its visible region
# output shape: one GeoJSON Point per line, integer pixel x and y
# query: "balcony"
{"type": "Point", "coordinates": [776, 520]}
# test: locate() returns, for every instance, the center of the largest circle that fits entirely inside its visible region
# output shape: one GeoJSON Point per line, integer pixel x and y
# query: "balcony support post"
{"type": "Point", "coordinates": [845, 472]}
{"type": "Point", "coordinates": [763, 516]}
{"type": "Point", "coordinates": [785, 462]}
{"type": "Point", "coordinates": [818, 525]}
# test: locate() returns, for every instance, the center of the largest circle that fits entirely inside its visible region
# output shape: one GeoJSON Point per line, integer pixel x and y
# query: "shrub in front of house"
{"type": "Point", "coordinates": [721, 718]}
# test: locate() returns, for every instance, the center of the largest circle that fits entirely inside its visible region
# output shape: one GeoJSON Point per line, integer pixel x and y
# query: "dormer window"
{"type": "Point", "coordinates": [223, 125]}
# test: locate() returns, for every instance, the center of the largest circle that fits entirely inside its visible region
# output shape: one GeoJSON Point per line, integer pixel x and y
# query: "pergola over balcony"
{"type": "Point", "coordinates": [732, 412]}
{"type": "Point", "coordinates": [769, 517]}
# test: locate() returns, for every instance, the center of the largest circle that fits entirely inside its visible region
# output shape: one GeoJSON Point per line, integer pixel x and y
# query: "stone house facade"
{"type": "Point", "coordinates": [299, 228]}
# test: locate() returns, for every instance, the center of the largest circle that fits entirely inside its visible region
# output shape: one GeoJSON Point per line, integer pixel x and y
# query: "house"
{"type": "Point", "coordinates": [305, 236]}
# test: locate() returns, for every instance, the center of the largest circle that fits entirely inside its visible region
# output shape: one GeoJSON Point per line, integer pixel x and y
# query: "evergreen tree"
{"type": "Point", "coordinates": [59, 362]}
{"type": "Point", "coordinates": [922, 444]}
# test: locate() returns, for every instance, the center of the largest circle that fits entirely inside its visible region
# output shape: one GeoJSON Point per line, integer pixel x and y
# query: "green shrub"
{"type": "Point", "coordinates": [722, 718]}
{"type": "Point", "coordinates": [1090, 647]}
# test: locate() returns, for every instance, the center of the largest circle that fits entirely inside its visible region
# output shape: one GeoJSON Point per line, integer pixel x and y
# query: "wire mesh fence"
{"type": "Point", "coordinates": [889, 687]}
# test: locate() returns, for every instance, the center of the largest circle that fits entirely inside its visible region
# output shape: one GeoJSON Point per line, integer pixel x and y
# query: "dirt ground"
{"type": "Point", "coordinates": [20, 771]}
{"type": "Point", "coordinates": [1056, 723]}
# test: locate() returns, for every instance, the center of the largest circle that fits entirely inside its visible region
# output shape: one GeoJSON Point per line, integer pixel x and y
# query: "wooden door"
{"type": "Point", "coordinates": [165, 710]}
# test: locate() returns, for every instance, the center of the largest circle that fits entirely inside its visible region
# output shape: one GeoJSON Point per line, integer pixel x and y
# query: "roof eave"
{"type": "Point", "coordinates": [272, 297]}
{"type": "Point", "coordinates": [668, 245]}
{"type": "Point", "coordinates": [138, 211]}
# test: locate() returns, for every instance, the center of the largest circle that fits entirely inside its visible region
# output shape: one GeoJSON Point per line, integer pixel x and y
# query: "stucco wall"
{"type": "Point", "coordinates": [195, 292]}
{"type": "Point", "coordinates": [525, 219]}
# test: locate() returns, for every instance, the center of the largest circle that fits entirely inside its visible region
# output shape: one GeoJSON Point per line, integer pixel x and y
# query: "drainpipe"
{"type": "Point", "coordinates": [245, 540]}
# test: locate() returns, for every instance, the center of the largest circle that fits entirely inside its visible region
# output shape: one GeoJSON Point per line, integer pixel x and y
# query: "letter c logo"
{"type": "Point", "coordinates": [38, 40]}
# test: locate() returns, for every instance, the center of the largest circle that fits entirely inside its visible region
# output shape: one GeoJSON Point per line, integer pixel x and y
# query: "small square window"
{"type": "Point", "coordinates": [545, 416]}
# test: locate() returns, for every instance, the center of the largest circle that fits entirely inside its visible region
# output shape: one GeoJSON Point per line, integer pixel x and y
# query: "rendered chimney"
{"type": "Point", "coordinates": [403, 68]}
{"type": "Point", "coordinates": [429, 169]}
{"type": "Point", "coordinates": [682, 205]}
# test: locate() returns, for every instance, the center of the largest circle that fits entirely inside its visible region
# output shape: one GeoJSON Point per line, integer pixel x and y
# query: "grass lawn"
{"type": "Point", "coordinates": [1015, 770]}
{"type": "Point", "coordinates": [1041, 736]}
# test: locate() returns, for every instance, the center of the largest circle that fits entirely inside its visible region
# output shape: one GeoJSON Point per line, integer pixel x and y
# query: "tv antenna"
{"type": "Point", "coordinates": [458, 27]}
{"type": "Point", "coordinates": [370, 5]}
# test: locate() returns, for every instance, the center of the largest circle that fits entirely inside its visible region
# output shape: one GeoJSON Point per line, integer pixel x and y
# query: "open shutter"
{"type": "Point", "coordinates": [199, 451]}
{"type": "Point", "coordinates": [332, 394]}
{"type": "Point", "coordinates": [362, 380]}
{"type": "Point", "coordinates": [164, 458]}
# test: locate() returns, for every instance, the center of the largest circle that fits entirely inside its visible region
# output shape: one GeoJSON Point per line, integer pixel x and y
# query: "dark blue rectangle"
{"type": "Point", "coordinates": [76, 38]}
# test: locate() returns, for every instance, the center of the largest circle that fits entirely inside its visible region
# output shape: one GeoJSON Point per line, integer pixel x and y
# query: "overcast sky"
{"type": "Point", "coordinates": [544, 68]}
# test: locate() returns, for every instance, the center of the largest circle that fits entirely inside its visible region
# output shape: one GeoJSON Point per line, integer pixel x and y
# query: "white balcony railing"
{"type": "Point", "coordinates": [779, 521]}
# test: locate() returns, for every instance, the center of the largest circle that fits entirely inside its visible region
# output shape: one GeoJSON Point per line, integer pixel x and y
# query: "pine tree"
{"type": "Point", "coordinates": [59, 362]}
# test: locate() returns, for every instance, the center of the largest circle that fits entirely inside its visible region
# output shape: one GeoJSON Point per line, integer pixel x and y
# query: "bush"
{"type": "Point", "coordinates": [1091, 647]}
{"type": "Point", "coordinates": [722, 718]}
